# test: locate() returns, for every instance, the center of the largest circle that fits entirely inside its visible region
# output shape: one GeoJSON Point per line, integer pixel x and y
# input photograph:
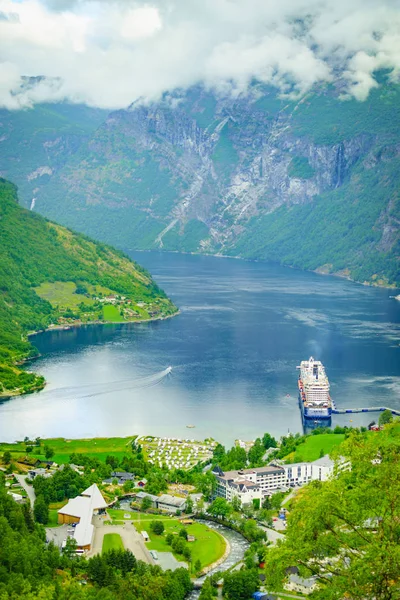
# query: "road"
{"type": "Point", "coordinates": [28, 488]}
{"type": "Point", "coordinates": [272, 535]}
{"type": "Point", "coordinates": [131, 539]}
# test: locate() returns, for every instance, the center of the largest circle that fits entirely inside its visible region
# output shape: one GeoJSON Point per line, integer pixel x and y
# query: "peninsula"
{"type": "Point", "coordinates": [52, 277]}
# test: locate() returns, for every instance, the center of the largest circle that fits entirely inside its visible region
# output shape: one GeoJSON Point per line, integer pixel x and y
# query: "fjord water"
{"type": "Point", "coordinates": [234, 348]}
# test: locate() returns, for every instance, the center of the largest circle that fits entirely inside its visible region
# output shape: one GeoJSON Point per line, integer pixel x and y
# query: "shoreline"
{"type": "Point", "coordinates": [89, 323]}
{"type": "Point", "coordinates": [15, 393]}
{"type": "Point", "coordinates": [390, 286]}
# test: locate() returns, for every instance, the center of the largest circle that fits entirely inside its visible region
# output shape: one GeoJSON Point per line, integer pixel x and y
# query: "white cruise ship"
{"type": "Point", "coordinates": [314, 399]}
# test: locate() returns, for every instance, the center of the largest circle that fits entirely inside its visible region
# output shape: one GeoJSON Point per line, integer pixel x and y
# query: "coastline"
{"type": "Point", "coordinates": [317, 271]}
{"type": "Point", "coordinates": [42, 384]}
{"type": "Point", "coordinates": [81, 324]}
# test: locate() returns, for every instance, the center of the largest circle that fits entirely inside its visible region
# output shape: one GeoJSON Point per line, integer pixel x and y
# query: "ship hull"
{"type": "Point", "coordinates": [315, 413]}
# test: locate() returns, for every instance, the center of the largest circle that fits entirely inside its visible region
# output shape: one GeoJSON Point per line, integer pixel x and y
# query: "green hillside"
{"type": "Point", "coordinates": [52, 277]}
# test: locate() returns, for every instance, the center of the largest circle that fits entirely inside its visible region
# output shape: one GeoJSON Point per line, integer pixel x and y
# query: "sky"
{"type": "Point", "coordinates": [110, 53]}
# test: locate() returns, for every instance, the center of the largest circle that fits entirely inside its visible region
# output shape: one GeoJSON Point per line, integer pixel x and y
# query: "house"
{"type": "Point", "coordinates": [302, 585]}
{"type": "Point", "coordinates": [249, 484]}
{"type": "Point", "coordinates": [16, 497]}
{"type": "Point", "coordinates": [120, 476]}
{"type": "Point", "coordinates": [80, 510]}
{"type": "Point", "coordinates": [191, 538]}
{"type": "Point", "coordinates": [141, 483]}
{"type": "Point", "coordinates": [171, 503]}
{"type": "Point", "coordinates": [39, 472]}
{"type": "Point", "coordinates": [153, 499]}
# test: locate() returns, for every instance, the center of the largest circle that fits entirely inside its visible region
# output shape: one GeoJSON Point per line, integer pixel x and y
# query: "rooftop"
{"type": "Point", "coordinates": [82, 507]}
{"type": "Point", "coordinates": [171, 500]}
{"type": "Point", "coordinates": [307, 583]}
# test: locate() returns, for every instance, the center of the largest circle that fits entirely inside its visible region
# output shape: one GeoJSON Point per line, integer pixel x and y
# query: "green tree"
{"type": "Point", "coordinates": [197, 566]}
{"type": "Point", "coordinates": [236, 503]}
{"type": "Point", "coordinates": [128, 486]}
{"type": "Point", "coordinates": [168, 538]}
{"type": "Point", "coordinates": [29, 449]}
{"type": "Point", "coordinates": [183, 533]}
{"type": "Point", "coordinates": [220, 508]}
{"type": "Point", "coordinates": [146, 503]}
{"type": "Point", "coordinates": [269, 442]}
{"type": "Point", "coordinates": [359, 530]}
{"type": "Point", "coordinates": [7, 457]}
{"type": "Point", "coordinates": [41, 510]}
{"type": "Point", "coordinates": [256, 454]}
{"type": "Point", "coordinates": [240, 585]}
{"type": "Point", "coordinates": [385, 417]}
{"type": "Point", "coordinates": [48, 452]}
{"type": "Point", "coordinates": [157, 527]}
{"type": "Point", "coordinates": [189, 505]}
{"type": "Point", "coordinates": [187, 553]}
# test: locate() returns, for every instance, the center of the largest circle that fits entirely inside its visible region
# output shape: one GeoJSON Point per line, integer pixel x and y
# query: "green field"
{"type": "Point", "coordinates": [208, 547]}
{"type": "Point", "coordinates": [311, 449]}
{"type": "Point", "coordinates": [97, 447]}
{"type": "Point", "coordinates": [62, 294]}
{"type": "Point", "coordinates": [111, 313]}
{"type": "Point", "coordinates": [112, 541]}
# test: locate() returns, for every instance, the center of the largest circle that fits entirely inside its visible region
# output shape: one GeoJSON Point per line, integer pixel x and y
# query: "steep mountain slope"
{"type": "Point", "coordinates": [50, 275]}
{"type": "Point", "coordinates": [35, 143]}
{"type": "Point", "coordinates": [313, 184]}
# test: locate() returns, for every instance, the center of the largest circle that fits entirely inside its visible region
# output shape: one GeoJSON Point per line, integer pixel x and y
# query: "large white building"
{"type": "Point", "coordinates": [255, 484]}
{"type": "Point", "coordinates": [80, 510]}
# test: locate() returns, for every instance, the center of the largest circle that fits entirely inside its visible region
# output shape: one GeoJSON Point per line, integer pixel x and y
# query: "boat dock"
{"type": "Point", "coordinates": [342, 411]}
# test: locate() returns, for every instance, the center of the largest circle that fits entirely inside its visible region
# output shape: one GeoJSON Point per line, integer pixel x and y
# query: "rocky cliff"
{"type": "Point", "coordinates": [312, 183]}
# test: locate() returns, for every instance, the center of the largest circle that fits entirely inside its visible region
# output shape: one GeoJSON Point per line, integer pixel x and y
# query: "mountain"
{"type": "Point", "coordinates": [53, 277]}
{"type": "Point", "coordinates": [312, 183]}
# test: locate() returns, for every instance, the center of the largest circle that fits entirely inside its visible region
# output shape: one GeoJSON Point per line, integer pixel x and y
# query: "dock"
{"type": "Point", "coordinates": [342, 411]}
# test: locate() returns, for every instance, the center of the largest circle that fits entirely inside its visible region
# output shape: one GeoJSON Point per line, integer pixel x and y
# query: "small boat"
{"type": "Point", "coordinates": [190, 426]}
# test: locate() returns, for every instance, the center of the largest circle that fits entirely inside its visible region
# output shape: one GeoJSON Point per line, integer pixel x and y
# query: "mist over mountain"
{"type": "Point", "coordinates": [312, 183]}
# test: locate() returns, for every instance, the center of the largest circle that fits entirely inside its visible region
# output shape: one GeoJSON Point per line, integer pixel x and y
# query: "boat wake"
{"type": "Point", "coordinates": [98, 389]}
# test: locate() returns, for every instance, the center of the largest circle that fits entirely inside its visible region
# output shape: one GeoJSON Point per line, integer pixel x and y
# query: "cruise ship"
{"type": "Point", "coordinates": [314, 399]}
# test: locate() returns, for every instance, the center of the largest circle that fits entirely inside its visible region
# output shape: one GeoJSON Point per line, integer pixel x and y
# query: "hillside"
{"type": "Point", "coordinates": [312, 184]}
{"type": "Point", "coordinates": [53, 277]}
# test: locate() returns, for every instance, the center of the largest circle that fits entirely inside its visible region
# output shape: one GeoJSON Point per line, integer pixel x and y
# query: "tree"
{"type": "Point", "coordinates": [385, 417]}
{"type": "Point", "coordinates": [7, 457]}
{"type": "Point", "coordinates": [321, 453]}
{"type": "Point", "coordinates": [269, 442]}
{"type": "Point", "coordinates": [220, 508]}
{"type": "Point", "coordinates": [41, 510]}
{"type": "Point", "coordinates": [128, 486]}
{"type": "Point", "coordinates": [197, 566]}
{"type": "Point", "coordinates": [241, 585]}
{"type": "Point", "coordinates": [236, 503]}
{"type": "Point", "coordinates": [359, 530]}
{"type": "Point", "coordinates": [112, 461]}
{"type": "Point", "coordinates": [208, 591]}
{"type": "Point", "coordinates": [267, 503]}
{"type": "Point", "coordinates": [157, 527]}
{"type": "Point", "coordinates": [256, 503]}
{"type": "Point", "coordinates": [48, 452]}
{"type": "Point", "coordinates": [146, 503]}
{"type": "Point", "coordinates": [189, 505]}
{"type": "Point", "coordinates": [183, 533]}
{"type": "Point", "coordinates": [256, 454]}
{"type": "Point", "coordinates": [187, 553]}
{"type": "Point", "coordinates": [168, 538]}
{"type": "Point", "coordinates": [29, 449]}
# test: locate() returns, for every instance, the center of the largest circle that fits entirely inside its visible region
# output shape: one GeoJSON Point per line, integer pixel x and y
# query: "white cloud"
{"type": "Point", "coordinates": [110, 52]}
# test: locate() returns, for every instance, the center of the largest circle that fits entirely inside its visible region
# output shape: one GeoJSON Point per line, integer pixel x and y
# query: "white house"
{"type": "Point", "coordinates": [302, 585]}
{"type": "Point", "coordinates": [171, 503]}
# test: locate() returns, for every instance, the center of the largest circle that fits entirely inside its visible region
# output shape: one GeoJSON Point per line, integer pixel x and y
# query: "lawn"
{"type": "Point", "coordinates": [111, 313]}
{"type": "Point", "coordinates": [208, 547]}
{"type": "Point", "coordinates": [314, 445]}
{"type": "Point", "coordinates": [97, 447]}
{"type": "Point", "coordinates": [112, 541]}
{"type": "Point", "coordinates": [53, 518]}
{"type": "Point", "coordinates": [62, 293]}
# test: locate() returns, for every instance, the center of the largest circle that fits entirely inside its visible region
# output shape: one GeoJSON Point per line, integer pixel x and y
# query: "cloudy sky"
{"type": "Point", "coordinates": [108, 53]}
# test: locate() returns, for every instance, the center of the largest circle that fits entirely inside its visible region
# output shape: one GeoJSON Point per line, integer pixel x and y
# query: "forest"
{"type": "Point", "coordinates": [34, 251]}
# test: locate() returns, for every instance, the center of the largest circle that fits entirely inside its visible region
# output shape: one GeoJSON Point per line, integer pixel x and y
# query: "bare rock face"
{"type": "Point", "coordinates": [196, 172]}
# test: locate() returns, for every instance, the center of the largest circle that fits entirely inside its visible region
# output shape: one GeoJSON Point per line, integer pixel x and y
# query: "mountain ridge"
{"type": "Point", "coordinates": [52, 277]}
{"type": "Point", "coordinates": [257, 177]}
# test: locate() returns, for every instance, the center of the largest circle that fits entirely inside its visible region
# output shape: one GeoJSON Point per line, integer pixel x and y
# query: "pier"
{"type": "Point", "coordinates": [342, 411]}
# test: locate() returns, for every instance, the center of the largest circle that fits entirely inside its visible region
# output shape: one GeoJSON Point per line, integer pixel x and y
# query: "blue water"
{"type": "Point", "coordinates": [234, 348]}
